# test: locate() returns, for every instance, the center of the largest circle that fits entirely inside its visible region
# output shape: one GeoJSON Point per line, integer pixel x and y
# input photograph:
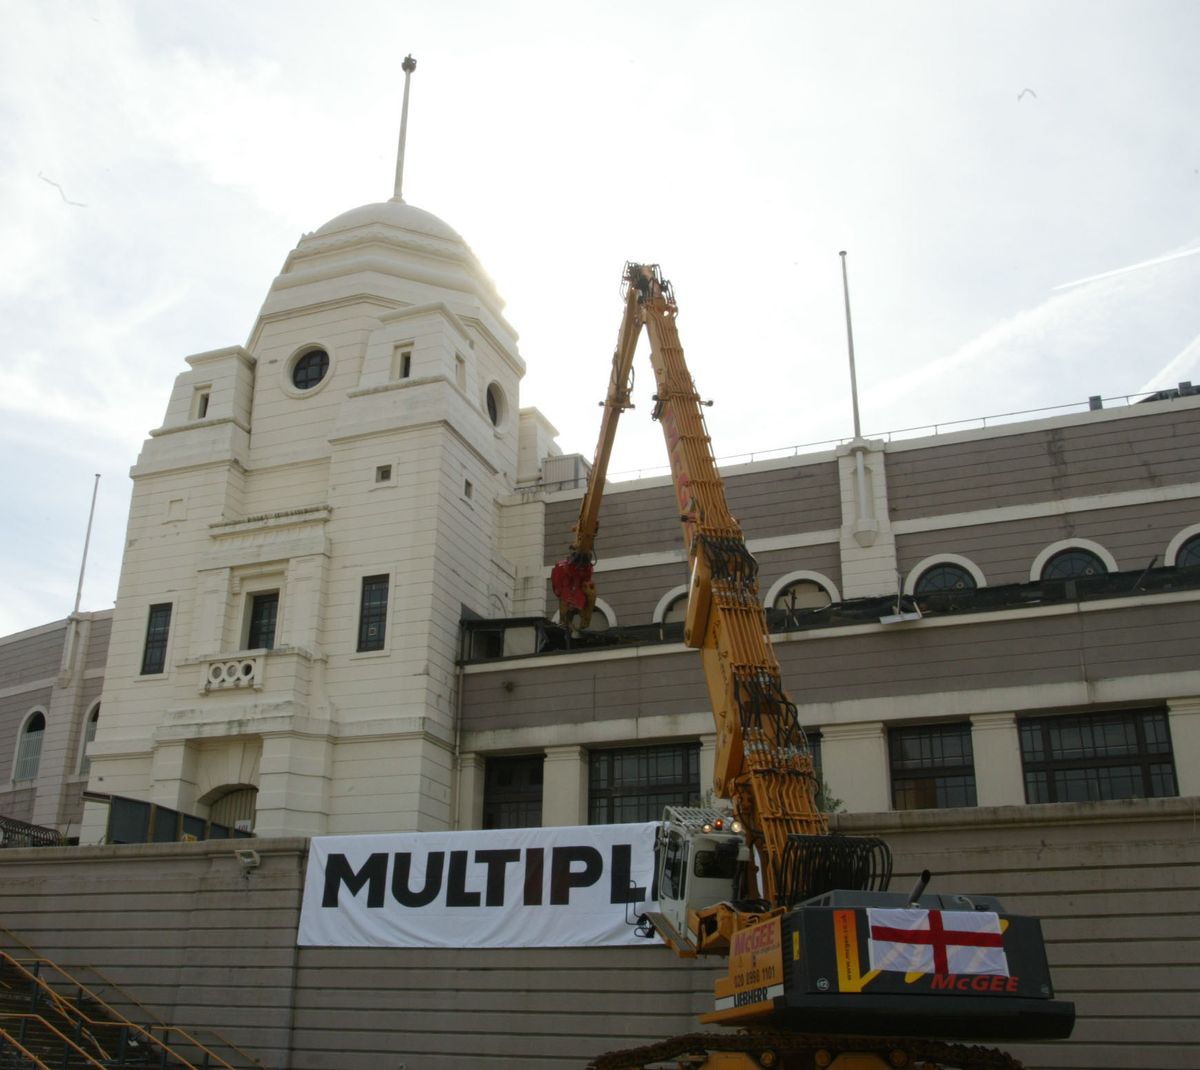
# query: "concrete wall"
{"type": "Point", "coordinates": [186, 931]}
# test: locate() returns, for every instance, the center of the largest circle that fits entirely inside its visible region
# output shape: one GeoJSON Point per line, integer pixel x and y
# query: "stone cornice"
{"type": "Point", "coordinates": [213, 355]}
{"type": "Point", "coordinates": [193, 425]}
{"type": "Point", "coordinates": [313, 514]}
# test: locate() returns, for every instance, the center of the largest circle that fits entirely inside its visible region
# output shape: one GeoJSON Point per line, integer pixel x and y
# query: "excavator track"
{"type": "Point", "coordinates": [791, 1051]}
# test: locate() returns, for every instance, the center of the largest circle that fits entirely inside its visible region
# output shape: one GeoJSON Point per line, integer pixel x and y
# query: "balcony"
{"type": "Point", "coordinates": [238, 672]}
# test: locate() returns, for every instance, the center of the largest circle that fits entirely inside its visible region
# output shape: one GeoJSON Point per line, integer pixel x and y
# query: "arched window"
{"type": "Point", "coordinates": [800, 598]}
{"type": "Point", "coordinates": [676, 611]}
{"type": "Point", "coordinates": [1073, 564]}
{"type": "Point", "coordinates": [599, 622]}
{"type": "Point", "coordinates": [233, 804]}
{"type": "Point", "coordinates": [29, 748]}
{"type": "Point", "coordinates": [944, 578]}
{"type": "Point", "coordinates": [89, 733]}
{"type": "Point", "coordinates": [1189, 554]}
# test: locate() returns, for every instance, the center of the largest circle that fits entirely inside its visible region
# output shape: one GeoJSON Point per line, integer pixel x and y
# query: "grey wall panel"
{"type": "Point", "coordinates": [17, 803]}
{"type": "Point", "coordinates": [835, 666]}
{"type": "Point", "coordinates": [1032, 466]}
{"type": "Point", "coordinates": [771, 502]}
{"type": "Point", "coordinates": [574, 692]}
{"type": "Point", "coordinates": [97, 650]}
{"type": "Point", "coordinates": [634, 592]}
{"type": "Point", "coordinates": [34, 657]}
{"type": "Point", "coordinates": [825, 559]}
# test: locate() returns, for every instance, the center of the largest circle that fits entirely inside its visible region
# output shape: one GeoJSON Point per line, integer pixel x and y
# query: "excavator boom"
{"type": "Point", "coordinates": [801, 913]}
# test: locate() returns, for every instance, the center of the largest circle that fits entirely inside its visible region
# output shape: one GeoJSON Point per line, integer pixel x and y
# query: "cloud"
{"type": "Point", "coordinates": [1093, 338]}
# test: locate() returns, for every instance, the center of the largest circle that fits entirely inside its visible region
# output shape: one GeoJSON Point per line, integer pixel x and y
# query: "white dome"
{"type": "Point", "coordinates": [393, 214]}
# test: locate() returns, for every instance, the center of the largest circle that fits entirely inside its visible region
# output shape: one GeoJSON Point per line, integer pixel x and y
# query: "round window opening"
{"type": "Point", "coordinates": [495, 404]}
{"type": "Point", "coordinates": [310, 369]}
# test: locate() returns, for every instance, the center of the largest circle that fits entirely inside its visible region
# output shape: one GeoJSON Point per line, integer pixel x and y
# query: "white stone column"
{"type": "Point", "coordinates": [1183, 717]}
{"type": "Point", "coordinates": [471, 769]}
{"type": "Point", "coordinates": [854, 763]}
{"type": "Point", "coordinates": [293, 792]}
{"type": "Point", "coordinates": [173, 776]}
{"type": "Point", "coordinates": [868, 546]}
{"type": "Point", "coordinates": [565, 786]}
{"type": "Point", "coordinates": [996, 743]}
{"type": "Point", "coordinates": [301, 625]}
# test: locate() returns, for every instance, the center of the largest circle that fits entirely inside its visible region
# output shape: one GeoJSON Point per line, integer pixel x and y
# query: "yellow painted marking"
{"type": "Point", "coordinates": [845, 938]}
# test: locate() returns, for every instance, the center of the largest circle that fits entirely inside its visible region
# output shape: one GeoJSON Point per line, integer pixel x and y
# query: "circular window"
{"type": "Point", "coordinates": [1073, 564]}
{"type": "Point", "coordinates": [495, 404]}
{"type": "Point", "coordinates": [310, 369]}
{"type": "Point", "coordinates": [944, 579]}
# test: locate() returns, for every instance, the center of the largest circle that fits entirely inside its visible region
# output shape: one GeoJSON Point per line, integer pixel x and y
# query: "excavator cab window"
{"type": "Point", "coordinates": [720, 862]}
{"type": "Point", "coordinates": [674, 867]}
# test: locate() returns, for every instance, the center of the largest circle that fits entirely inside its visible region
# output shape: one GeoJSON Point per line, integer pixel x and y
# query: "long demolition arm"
{"type": "Point", "coordinates": [572, 577]}
{"type": "Point", "coordinates": [763, 762]}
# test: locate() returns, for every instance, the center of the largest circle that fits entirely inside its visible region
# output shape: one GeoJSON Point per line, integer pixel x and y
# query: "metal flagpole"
{"type": "Point", "coordinates": [86, 540]}
{"type": "Point", "coordinates": [850, 344]}
{"type": "Point", "coordinates": [408, 66]}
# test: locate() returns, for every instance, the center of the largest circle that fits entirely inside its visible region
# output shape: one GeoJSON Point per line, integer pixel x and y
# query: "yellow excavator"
{"type": "Point", "coordinates": [827, 968]}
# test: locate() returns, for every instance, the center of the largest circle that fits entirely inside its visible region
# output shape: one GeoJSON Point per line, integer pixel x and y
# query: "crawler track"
{"type": "Point", "coordinates": [800, 1051]}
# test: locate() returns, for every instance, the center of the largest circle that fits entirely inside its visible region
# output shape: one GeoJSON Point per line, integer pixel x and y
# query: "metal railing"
{"type": "Point", "coordinates": [212, 1034]}
{"type": "Point", "coordinates": [122, 1033]}
{"type": "Point", "coordinates": [899, 434]}
{"type": "Point", "coordinates": [69, 1047]}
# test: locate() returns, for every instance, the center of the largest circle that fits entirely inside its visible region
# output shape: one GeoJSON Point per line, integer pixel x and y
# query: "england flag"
{"type": "Point", "coordinates": [937, 941]}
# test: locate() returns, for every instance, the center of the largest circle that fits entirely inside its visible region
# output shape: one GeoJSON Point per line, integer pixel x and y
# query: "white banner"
{"type": "Point", "coordinates": [575, 886]}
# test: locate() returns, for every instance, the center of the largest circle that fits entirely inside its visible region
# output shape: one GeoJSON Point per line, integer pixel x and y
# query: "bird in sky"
{"type": "Point", "coordinates": [1029, 91]}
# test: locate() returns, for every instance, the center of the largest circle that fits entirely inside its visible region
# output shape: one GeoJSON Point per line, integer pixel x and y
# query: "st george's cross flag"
{"type": "Point", "coordinates": [937, 941]}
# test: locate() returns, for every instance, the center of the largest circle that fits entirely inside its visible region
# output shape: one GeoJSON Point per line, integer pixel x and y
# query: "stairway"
{"type": "Point", "coordinates": [50, 1021]}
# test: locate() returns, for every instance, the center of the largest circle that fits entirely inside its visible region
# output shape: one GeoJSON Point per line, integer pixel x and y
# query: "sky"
{"type": "Point", "coordinates": [1017, 185]}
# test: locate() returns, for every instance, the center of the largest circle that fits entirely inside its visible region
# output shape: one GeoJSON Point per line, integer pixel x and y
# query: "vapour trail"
{"type": "Point", "coordinates": [1181, 364]}
{"type": "Point", "coordinates": [1131, 267]}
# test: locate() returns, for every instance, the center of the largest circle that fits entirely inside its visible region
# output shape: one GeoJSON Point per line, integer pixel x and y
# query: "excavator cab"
{"type": "Point", "coordinates": [700, 857]}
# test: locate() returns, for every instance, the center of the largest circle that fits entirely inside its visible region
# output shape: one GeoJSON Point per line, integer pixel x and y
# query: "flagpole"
{"type": "Point", "coordinates": [86, 541]}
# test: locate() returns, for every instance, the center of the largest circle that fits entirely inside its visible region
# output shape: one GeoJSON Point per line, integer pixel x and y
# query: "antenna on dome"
{"type": "Point", "coordinates": [408, 66]}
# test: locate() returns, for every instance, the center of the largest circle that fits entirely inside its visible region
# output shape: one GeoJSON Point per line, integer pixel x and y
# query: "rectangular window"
{"type": "Point", "coordinates": [635, 783]}
{"type": "Point", "coordinates": [264, 609]}
{"type": "Point", "coordinates": [512, 792]}
{"type": "Point", "coordinates": [372, 613]}
{"type": "Point", "coordinates": [158, 628]}
{"type": "Point", "coordinates": [460, 372]}
{"type": "Point", "coordinates": [402, 361]}
{"type": "Point", "coordinates": [933, 767]}
{"type": "Point", "coordinates": [1124, 754]}
{"type": "Point", "coordinates": [200, 397]}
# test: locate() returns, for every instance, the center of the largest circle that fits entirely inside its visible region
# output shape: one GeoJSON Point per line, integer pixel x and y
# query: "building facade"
{"type": "Point", "coordinates": [334, 613]}
{"type": "Point", "coordinates": [50, 682]}
{"type": "Point", "coordinates": [997, 617]}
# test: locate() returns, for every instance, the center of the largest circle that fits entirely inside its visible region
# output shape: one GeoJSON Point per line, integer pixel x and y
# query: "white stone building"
{"type": "Point", "coordinates": [315, 515]}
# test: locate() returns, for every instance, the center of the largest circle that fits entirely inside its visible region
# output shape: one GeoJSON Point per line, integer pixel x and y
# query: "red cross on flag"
{"type": "Point", "coordinates": [937, 941]}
